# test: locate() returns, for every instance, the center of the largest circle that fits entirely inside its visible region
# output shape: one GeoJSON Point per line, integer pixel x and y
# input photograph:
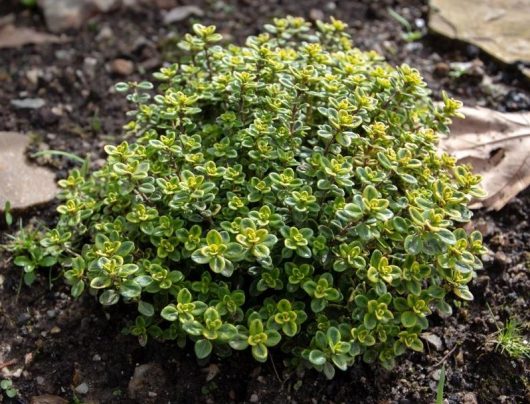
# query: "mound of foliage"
{"type": "Point", "coordinates": [284, 193]}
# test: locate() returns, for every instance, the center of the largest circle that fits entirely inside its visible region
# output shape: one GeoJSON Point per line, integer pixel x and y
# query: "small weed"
{"type": "Point", "coordinates": [7, 387]}
{"type": "Point", "coordinates": [7, 213]}
{"type": "Point", "coordinates": [510, 339]}
{"type": "Point", "coordinates": [408, 33]}
{"type": "Point", "coordinates": [95, 123]}
{"type": "Point", "coordinates": [440, 387]}
{"type": "Point", "coordinates": [28, 3]}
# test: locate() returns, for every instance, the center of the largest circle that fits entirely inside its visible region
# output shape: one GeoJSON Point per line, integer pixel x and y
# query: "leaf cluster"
{"type": "Point", "coordinates": [286, 193]}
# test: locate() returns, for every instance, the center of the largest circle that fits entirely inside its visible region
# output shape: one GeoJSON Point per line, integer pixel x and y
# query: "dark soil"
{"type": "Point", "coordinates": [51, 344]}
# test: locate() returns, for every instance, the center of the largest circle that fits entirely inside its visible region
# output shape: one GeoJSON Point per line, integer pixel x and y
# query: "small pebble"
{"type": "Point", "coordinates": [470, 398]}
{"type": "Point", "coordinates": [436, 374]}
{"type": "Point", "coordinates": [433, 339]}
{"type": "Point", "coordinates": [441, 69]}
{"type": "Point", "coordinates": [123, 67]}
{"type": "Point", "coordinates": [28, 103]}
{"type": "Point", "coordinates": [96, 358]}
{"type": "Point", "coordinates": [181, 13]}
{"type": "Point", "coordinates": [316, 14]}
{"type": "Point", "coordinates": [23, 318]}
{"type": "Point", "coordinates": [254, 398]}
{"type": "Point", "coordinates": [104, 34]}
{"type": "Point", "coordinates": [55, 330]}
{"type": "Point", "coordinates": [82, 388]}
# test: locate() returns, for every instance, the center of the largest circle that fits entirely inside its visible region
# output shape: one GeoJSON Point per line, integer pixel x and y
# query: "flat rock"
{"type": "Point", "coordinates": [499, 27]}
{"type": "Point", "coordinates": [21, 183]}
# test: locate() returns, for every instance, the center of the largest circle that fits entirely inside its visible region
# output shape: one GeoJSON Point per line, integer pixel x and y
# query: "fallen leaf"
{"type": "Point", "coordinates": [497, 145]}
{"type": "Point", "coordinates": [14, 37]}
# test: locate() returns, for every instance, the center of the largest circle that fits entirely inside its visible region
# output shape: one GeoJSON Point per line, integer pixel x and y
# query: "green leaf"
{"type": "Point", "coordinates": [100, 282]}
{"type": "Point", "coordinates": [11, 393]}
{"type": "Point", "coordinates": [329, 370]}
{"type": "Point", "coordinates": [6, 384]}
{"type": "Point", "coordinates": [340, 361]}
{"type": "Point", "coordinates": [408, 319]}
{"type": "Point", "coordinates": [463, 293]}
{"type": "Point", "coordinates": [413, 244]}
{"type": "Point", "coordinates": [317, 305]}
{"type": "Point", "coordinates": [290, 328]}
{"type": "Point", "coordinates": [446, 236]}
{"type": "Point", "coordinates": [369, 321]}
{"type": "Point", "coordinates": [440, 387]}
{"type": "Point", "coordinates": [260, 352]}
{"type": "Point", "coordinates": [273, 337]}
{"type": "Point", "coordinates": [77, 288]}
{"type": "Point", "coordinates": [192, 327]}
{"type": "Point", "coordinates": [126, 247]}
{"type": "Point", "coordinates": [227, 332]}
{"type": "Point", "coordinates": [317, 357]}
{"type": "Point", "coordinates": [214, 237]}
{"type": "Point", "coordinates": [23, 261]}
{"type": "Point", "coordinates": [29, 278]}
{"type": "Point", "coordinates": [203, 348]}
{"type": "Point", "coordinates": [145, 308]}
{"type": "Point", "coordinates": [48, 261]}
{"type": "Point", "coordinates": [333, 336]}
{"type": "Point", "coordinates": [417, 345]}
{"type": "Point", "coordinates": [109, 297]}
{"type": "Point", "coordinates": [169, 313]}
{"type": "Point", "coordinates": [121, 87]}
{"type": "Point", "coordinates": [130, 289]}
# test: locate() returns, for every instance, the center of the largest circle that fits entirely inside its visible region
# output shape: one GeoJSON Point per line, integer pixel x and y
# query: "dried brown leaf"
{"type": "Point", "coordinates": [497, 145]}
{"type": "Point", "coordinates": [14, 37]}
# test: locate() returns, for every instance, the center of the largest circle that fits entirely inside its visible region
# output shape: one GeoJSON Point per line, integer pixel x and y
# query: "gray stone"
{"type": "Point", "coordinates": [181, 13]}
{"type": "Point", "coordinates": [469, 398]}
{"type": "Point", "coordinates": [434, 340]}
{"type": "Point", "coordinates": [28, 103]}
{"type": "Point", "coordinates": [61, 15]}
{"type": "Point", "coordinates": [105, 6]}
{"type": "Point", "coordinates": [82, 388]}
{"type": "Point", "coordinates": [22, 184]}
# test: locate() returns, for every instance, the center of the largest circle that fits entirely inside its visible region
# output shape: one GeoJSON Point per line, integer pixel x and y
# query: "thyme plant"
{"type": "Point", "coordinates": [285, 193]}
